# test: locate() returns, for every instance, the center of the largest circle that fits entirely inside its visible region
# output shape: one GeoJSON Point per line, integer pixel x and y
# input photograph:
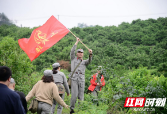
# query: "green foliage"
{"type": "Point", "coordinates": [133, 57]}
{"type": "Point", "coordinates": [142, 42]}
{"type": "Point", "coordinates": [136, 83]}
{"type": "Point", "coordinates": [89, 107]}
{"type": "Point", "coordinates": [13, 57]}
{"type": "Point", "coordinates": [26, 83]}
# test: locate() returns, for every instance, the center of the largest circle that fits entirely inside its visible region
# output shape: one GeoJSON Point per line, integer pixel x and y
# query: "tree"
{"type": "Point", "coordinates": [13, 57]}
{"type": "Point", "coordinates": [4, 19]}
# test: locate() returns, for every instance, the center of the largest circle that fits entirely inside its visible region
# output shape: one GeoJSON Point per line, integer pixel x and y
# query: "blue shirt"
{"type": "Point", "coordinates": [10, 101]}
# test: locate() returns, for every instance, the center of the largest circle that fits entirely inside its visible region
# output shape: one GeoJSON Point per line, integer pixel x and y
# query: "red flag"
{"type": "Point", "coordinates": [43, 38]}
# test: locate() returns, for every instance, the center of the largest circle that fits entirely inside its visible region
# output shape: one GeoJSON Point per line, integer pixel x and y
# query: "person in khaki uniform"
{"type": "Point", "coordinates": [44, 91]}
{"type": "Point", "coordinates": [59, 78]}
{"type": "Point", "coordinates": [78, 77]}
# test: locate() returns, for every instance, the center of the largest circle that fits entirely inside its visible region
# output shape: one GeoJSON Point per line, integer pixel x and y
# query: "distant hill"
{"type": "Point", "coordinates": [4, 19]}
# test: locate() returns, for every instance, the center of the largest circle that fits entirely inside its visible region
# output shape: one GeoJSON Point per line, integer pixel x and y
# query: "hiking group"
{"type": "Point", "coordinates": [51, 89]}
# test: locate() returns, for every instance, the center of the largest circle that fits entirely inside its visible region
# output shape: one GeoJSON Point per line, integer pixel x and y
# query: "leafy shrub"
{"type": "Point", "coordinates": [136, 83]}
{"type": "Point", "coordinates": [14, 57]}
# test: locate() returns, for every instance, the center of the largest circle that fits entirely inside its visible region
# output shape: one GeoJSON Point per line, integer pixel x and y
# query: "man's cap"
{"type": "Point", "coordinates": [80, 50]}
{"type": "Point", "coordinates": [48, 73]}
{"type": "Point", "coordinates": [55, 65]}
{"type": "Point", "coordinates": [12, 80]}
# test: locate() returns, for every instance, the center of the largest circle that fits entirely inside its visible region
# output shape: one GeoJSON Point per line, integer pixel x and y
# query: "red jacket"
{"type": "Point", "coordinates": [93, 82]}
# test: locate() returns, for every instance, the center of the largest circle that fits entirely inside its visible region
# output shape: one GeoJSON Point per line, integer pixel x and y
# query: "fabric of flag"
{"type": "Point", "coordinates": [43, 38]}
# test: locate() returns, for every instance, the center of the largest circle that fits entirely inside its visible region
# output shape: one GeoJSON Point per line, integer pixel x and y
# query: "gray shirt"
{"type": "Point", "coordinates": [60, 77]}
{"type": "Point", "coordinates": [79, 73]}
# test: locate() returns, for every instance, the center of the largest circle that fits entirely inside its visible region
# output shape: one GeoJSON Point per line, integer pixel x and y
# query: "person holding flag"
{"type": "Point", "coordinates": [46, 36]}
{"type": "Point", "coordinates": [77, 75]}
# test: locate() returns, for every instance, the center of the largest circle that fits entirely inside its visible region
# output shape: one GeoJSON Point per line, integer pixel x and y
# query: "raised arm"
{"type": "Point", "coordinates": [72, 54]}
{"type": "Point", "coordinates": [90, 57]}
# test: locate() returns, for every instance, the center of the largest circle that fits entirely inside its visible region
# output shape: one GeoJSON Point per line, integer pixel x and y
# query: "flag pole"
{"type": "Point", "coordinates": [79, 40]}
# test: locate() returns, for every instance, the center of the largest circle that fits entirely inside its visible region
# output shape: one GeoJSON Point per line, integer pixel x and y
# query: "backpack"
{"type": "Point", "coordinates": [61, 88]}
{"type": "Point", "coordinates": [33, 106]}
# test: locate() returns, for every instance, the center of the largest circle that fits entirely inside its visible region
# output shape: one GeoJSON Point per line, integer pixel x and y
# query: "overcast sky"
{"type": "Point", "coordinates": [31, 13]}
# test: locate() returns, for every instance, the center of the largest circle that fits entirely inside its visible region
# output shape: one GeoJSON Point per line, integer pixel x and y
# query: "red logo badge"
{"type": "Point", "coordinates": [134, 101]}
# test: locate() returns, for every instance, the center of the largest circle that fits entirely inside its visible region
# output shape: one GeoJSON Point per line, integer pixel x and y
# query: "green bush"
{"type": "Point", "coordinates": [135, 83]}
{"type": "Point", "coordinates": [14, 57]}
